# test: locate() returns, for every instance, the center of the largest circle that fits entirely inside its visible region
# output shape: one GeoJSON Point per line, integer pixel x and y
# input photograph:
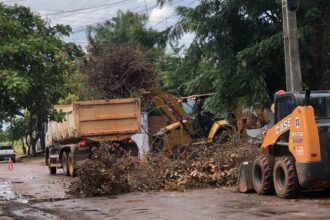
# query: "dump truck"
{"type": "Point", "coordinates": [295, 151]}
{"type": "Point", "coordinates": [86, 125]}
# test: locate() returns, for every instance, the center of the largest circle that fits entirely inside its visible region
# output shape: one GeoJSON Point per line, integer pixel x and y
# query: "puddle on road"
{"type": "Point", "coordinates": [23, 204]}
{"type": "Point", "coordinates": [6, 193]}
{"type": "Point", "coordinates": [34, 213]}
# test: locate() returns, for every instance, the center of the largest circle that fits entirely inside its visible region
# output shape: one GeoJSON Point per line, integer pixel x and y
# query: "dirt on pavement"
{"type": "Point", "coordinates": [29, 192]}
{"type": "Point", "coordinates": [31, 180]}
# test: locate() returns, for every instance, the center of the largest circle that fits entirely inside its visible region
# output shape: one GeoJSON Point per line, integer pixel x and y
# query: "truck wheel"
{"type": "Point", "coordinates": [65, 164]}
{"type": "Point", "coordinates": [72, 170]}
{"type": "Point", "coordinates": [13, 159]}
{"type": "Point", "coordinates": [262, 175]}
{"type": "Point", "coordinates": [285, 178]}
{"type": "Point", "coordinates": [52, 170]}
{"type": "Point", "coordinates": [46, 155]}
{"type": "Point", "coordinates": [133, 149]}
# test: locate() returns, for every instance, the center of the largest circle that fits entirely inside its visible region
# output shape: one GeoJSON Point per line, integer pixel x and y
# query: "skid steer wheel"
{"type": "Point", "coordinates": [285, 177]}
{"type": "Point", "coordinates": [262, 175]}
{"type": "Point", "coordinates": [65, 164]}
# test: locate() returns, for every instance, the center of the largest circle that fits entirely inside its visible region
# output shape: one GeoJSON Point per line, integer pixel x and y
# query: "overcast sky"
{"type": "Point", "coordinates": [81, 13]}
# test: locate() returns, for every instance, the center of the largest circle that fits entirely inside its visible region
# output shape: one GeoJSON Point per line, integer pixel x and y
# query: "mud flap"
{"type": "Point", "coordinates": [244, 182]}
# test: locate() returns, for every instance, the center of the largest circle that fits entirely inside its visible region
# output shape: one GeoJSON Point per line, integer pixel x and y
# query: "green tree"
{"type": "Point", "coordinates": [238, 45]}
{"type": "Point", "coordinates": [18, 131]}
{"type": "Point", "coordinates": [120, 58]}
{"type": "Point", "coordinates": [75, 88]}
{"type": "Point", "coordinates": [130, 29]}
{"type": "Point", "coordinates": [34, 63]}
{"type": "Point", "coordinates": [177, 77]}
{"type": "Point", "coordinates": [4, 136]}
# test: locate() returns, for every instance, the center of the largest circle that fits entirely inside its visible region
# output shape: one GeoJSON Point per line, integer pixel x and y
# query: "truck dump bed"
{"type": "Point", "coordinates": [100, 120]}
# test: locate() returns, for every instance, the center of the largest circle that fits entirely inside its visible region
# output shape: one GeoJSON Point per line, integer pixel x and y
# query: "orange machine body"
{"type": "Point", "coordinates": [304, 142]}
{"type": "Point", "coordinates": [298, 134]}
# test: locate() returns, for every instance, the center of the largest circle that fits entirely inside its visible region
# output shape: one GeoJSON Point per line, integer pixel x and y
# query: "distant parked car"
{"type": "Point", "coordinates": [7, 152]}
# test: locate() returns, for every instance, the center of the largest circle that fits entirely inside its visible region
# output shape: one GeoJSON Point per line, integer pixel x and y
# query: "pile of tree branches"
{"type": "Point", "coordinates": [118, 71]}
{"type": "Point", "coordinates": [193, 167]}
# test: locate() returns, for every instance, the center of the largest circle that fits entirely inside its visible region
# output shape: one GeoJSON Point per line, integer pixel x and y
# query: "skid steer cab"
{"type": "Point", "coordinates": [296, 150]}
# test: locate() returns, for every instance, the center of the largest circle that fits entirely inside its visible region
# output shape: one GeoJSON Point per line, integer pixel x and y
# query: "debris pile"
{"type": "Point", "coordinates": [193, 167]}
{"type": "Point", "coordinates": [201, 166]}
{"type": "Point", "coordinates": [118, 71]}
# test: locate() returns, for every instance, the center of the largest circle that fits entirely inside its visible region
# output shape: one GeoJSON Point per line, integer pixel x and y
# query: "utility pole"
{"type": "Point", "coordinates": [291, 46]}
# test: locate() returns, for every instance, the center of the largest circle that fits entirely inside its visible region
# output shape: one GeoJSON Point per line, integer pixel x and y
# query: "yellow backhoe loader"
{"type": "Point", "coordinates": [201, 128]}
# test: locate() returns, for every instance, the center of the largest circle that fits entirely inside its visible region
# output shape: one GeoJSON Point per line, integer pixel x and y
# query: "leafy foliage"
{"type": "Point", "coordinates": [120, 56]}
{"type": "Point", "coordinates": [18, 129]}
{"type": "Point", "coordinates": [177, 77]}
{"type": "Point", "coordinates": [127, 28]}
{"type": "Point", "coordinates": [34, 64]}
{"type": "Point", "coordinates": [238, 49]}
{"type": "Point", "coordinates": [75, 88]}
{"type": "Point", "coordinates": [34, 61]}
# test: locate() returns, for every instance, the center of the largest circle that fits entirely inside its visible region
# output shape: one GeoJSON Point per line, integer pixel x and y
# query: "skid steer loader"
{"type": "Point", "coordinates": [295, 151]}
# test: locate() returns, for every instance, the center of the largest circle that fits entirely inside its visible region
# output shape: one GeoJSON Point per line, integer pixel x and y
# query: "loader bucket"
{"type": "Point", "coordinates": [244, 182]}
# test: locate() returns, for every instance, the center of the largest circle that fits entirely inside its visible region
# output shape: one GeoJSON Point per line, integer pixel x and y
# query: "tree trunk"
{"type": "Point", "coordinates": [33, 145]}
{"type": "Point", "coordinates": [28, 144]}
{"type": "Point", "coordinates": [23, 146]}
{"type": "Point", "coordinates": [41, 131]}
{"type": "Point", "coordinates": [33, 148]}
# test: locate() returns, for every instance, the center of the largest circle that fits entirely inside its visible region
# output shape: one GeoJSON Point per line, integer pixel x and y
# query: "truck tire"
{"type": "Point", "coordinates": [285, 178]}
{"type": "Point", "coordinates": [65, 166]}
{"type": "Point", "coordinates": [131, 148]}
{"type": "Point", "coordinates": [46, 156]}
{"type": "Point", "coordinates": [52, 170]}
{"type": "Point", "coordinates": [71, 165]}
{"type": "Point", "coordinates": [13, 159]}
{"type": "Point", "coordinates": [134, 150]}
{"type": "Point", "coordinates": [262, 175]}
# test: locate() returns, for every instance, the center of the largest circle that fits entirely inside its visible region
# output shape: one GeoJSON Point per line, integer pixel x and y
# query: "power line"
{"type": "Point", "coordinates": [94, 7]}
{"type": "Point", "coordinates": [83, 27]}
{"type": "Point", "coordinates": [15, 1]}
{"type": "Point", "coordinates": [95, 18]}
{"type": "Point", "coordinates": [173, 14]}
{"type": "Point", "coordinates": [87, 14]}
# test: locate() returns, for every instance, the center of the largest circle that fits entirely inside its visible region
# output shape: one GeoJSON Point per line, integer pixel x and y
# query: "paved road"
{"type": "Point", "coordinates": [29, 192]}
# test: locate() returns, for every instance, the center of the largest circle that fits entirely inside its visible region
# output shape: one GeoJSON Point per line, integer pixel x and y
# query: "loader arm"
{"type": "Point", "coordinates": [173, 110]}
{"type": "Point", "coordinates": [168, 104]}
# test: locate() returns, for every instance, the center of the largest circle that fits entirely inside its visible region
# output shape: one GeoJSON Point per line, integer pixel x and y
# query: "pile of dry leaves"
{"type": "Point", "coordinates": [192, 167]}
